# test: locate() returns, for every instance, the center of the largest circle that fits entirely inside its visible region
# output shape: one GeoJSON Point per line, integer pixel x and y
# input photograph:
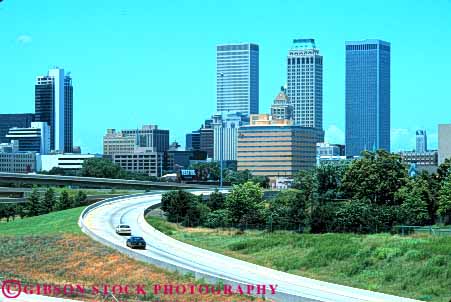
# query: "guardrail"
{"type": "Point", "coordinates": [94, 182]}
{"type": "Point", "coordinates": [431, 230]}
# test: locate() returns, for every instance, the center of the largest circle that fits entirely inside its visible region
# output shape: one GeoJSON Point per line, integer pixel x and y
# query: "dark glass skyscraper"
{"type": "Point", "coordinates": [54, 105]}
{"type": "Point", "coordinates": [367, 96]}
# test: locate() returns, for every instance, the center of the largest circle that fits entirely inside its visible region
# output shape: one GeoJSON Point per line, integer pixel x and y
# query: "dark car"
{"type": "Point", "coordinates": [136, 242]}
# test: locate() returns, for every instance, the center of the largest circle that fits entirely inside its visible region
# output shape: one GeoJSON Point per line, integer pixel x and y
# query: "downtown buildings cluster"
{"type": "Point", "coordinates": [32, 142]}
{"type": "Point", "coordinates": [287, 138]}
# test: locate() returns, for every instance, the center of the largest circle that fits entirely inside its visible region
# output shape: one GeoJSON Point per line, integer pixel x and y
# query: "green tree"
{"type": "Point", "coordinates": [375, 177]}
{"type": "Point", "coordinates": [196, 214]}
{"type": "Point", "coordinates": [433, 186]}
{"type": "Point", "coordinates": [79, 198]}
{"type": "Point", "coordinates": [8, 211]}
{"type": "Point", "coordinates": [57, 171]}
{"type": "Point", "coordinates": [444, 206]}
{"type": "Point", "coordinates": [444, 170]}
{"type": "Point", "coordinates": [243, 203]}
{"type": "Point", "coordinates": [414, 198]}
{"type": "Point", "coordinates": [262, 181]}
{"type": "Point", "coordinates": [101, 168]}
{"type": "Point", "coordinates": [176, 204]}
{"type": "Point", "coordinates": [216, 200]}
{"type": "Point", "coordinates": [64, 201]}
{"type": "Point", "coordinates": [329, 178]}
{"type": "Point", "coordinates": [306, 181]}
{"type": "Point", "coordinates": [47, 202]}
{"type": "Point", "coordinates": [237, 177]}
{"type": "Point", "coordinates": [33, 204]}
{"type": "Point", "coordinates": [218, 218]}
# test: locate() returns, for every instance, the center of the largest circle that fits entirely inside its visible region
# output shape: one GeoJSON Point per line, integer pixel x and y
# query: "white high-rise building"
{"type": "Point", "coordinates": [305, 83]}
{"type": "Point", "coordinates": [225, 134]}
{"type": "Point", "coordinates": [237, 78]}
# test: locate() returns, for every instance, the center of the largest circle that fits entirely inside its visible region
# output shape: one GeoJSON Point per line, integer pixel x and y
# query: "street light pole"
{"type": "Point", "coordinates": [221, 136]}
{"type": "Point", "coordinates": [221, 152]}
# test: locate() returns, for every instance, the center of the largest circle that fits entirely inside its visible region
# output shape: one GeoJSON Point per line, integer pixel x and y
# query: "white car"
{"type": "Point", "coordinates": [123, 229]}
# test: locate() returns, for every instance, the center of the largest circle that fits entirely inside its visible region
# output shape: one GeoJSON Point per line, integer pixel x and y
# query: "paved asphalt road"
{"type": "Point", "coordinates": [170, 253]}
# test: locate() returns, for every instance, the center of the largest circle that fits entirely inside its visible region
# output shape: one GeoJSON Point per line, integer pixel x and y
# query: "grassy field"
{"type": "Point", "coordinates": [50, 249]}
{"type": "Point", "coordinates": [52, 223]}
{"type": "Point", "coordinates": [417, 267]}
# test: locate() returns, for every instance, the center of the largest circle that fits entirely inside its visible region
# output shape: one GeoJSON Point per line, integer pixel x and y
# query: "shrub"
{"type": "Point", "coordinates": [218, 218]}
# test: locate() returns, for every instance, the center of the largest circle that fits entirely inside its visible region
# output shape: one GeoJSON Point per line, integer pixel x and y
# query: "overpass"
{"type": "Point", "coordinates": [93, 182]}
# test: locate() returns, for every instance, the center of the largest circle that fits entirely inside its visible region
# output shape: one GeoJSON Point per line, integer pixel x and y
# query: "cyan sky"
{"type": "Point", "coordinates": [153, 62]}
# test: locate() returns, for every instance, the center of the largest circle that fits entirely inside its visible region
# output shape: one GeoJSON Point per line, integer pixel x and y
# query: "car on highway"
{"type": "Point", "coordinates": [123, 229]}
{"type": "Point", "coordinates": [136, 242]}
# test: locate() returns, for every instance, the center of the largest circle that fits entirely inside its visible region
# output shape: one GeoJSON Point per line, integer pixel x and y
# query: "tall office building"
{"type": "Point", "coordinates": [8, 121]}
{"type": "Point", "coordinates": [54, 105]}
{"type": "Point", "coordinates": [237, 77]}
{"type": "Point", "coordinates": [367, 96]}
{"type": "Point", "coordinates": [422, 141]}
{"type": "Point", "coordinates": [305, 83]}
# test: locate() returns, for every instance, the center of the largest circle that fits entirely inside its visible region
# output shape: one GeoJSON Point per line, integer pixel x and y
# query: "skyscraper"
{"type": "Point", "coordinates": [54, 105]}
{"type": "Point", "coordinates": [367, 96]}
{"type": "Point", "coordinates": [237, 78]}
{"type": "Point", "coordinates": [422, 141]}
{"type": "Point", "coordinates": [305, 83]}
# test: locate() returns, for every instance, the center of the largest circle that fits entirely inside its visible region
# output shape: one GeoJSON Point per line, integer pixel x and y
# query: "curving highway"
{"type": "Point", "coordinates": [99, 221]}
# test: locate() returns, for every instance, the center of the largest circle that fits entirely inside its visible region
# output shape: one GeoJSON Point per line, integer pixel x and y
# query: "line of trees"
{"type": "Point", "coordinates": [371, 194]}
{"type": "Point", "coordinates": [211, 171]}
{"type": "Point", "coordinates": [39, 203]}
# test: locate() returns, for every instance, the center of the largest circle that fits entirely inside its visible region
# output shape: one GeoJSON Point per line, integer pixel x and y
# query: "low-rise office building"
{"type": "Point", "coordinates": [18, 162]}
{"type": "Point", "coordinates": [125, 141]}
{"type": "Point", "coordinates": [63, 161]}
{"type": "Point", "coordinates": [11, 147]}
{"type": "Point", "coordinates": [35, 138]}
{"type": "Point", "coordinates": [276, 148]}
{"type": "Point", "coordinates": [427, 158]}
{"type": "Point", "coordinates": [118, 143]}
{"type": "Point", "coordinates": [142, 160]}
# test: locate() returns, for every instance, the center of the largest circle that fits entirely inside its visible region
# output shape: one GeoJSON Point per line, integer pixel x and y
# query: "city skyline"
{"type": "Point", "coordinates": [105, 88]}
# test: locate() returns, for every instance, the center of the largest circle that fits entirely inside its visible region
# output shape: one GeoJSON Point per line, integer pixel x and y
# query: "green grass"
{"type": "Point", "coordinates": [52, 223]}
{"type": "Point", "coordinates": [161, 225]}
{"type": "Point", "coordinates": [418, 267]}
